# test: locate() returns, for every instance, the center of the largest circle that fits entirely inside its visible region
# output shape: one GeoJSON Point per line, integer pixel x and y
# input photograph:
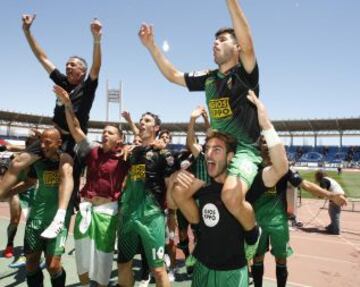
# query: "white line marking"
{"type": "Point", "coordinates": [288, 282]}
{"type": "Point", "coordinates": [325, 258]}
{"type": "Point", "coordinates": [344, 239]}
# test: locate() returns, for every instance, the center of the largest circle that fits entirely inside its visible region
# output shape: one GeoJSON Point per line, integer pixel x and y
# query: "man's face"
{"type": "Point", "coordinates": [110, 138]}
{"type": "Point", "coordinates": [50, 143]}
{"type": "Point", "coordinates": [165, 137]}
{"type": "Point", "coordinates": [148, 128]}
{"type": "Point", "coordinates": [75, 71]}
{"type": "Point", "coordinates": [216, 157]}
{"type": "Point", "coordinates": [225, 49]}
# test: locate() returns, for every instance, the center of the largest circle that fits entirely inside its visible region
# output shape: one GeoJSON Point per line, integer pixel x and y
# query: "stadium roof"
{"type": "Point", "coordinates": [338, 126]}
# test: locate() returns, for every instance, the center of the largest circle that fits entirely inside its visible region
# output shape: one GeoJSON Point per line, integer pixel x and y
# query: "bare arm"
{"type": "Point", "coordinates": [279, 163]}
{"type": "Point", "coordinates": [34, 45]}
{"type": "Point", "coordinates": [14, 147]}
{"type": "Point", "coordinates": [170, 184]}
{"type": "Point", "coordinates": [126, 115]}
{"type": "Point", "coordinates": [66, 180]}
{"type": "Point", "coordinates": [185, 186]}
{"type": "Point", "coordinates": [206, 119]}
{"type": "Point", "coordinates": [191, 143]}
{"type": "Point", "coordinates": [167, 69]}
{"type": "Point", "coordinates": [96, 30]}
{"type": "Point", "coordinates": [316, 190]}
{"type": "Point", "coordinates": [22, 186]}
{"type": "Point", "coordinates": [243, 35]}
{"type": "Point", "coordinates": [72, 121]}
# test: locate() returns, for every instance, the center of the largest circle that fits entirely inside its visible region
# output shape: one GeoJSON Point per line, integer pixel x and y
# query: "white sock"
{"type": "Point", "coordinates": [60, 215]}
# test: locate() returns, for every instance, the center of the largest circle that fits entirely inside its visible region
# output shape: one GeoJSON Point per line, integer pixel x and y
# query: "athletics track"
{"type": "Point", "coordinates": [320, 260]}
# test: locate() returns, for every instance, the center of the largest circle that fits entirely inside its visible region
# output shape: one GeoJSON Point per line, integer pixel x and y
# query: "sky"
{"type": "Point", "coordinates": [307, 51]}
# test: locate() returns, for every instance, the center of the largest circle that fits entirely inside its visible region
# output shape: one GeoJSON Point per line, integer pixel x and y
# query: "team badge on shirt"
{"type": "Point", "coordinates": [51, 177]}
{"type": "Point", "coordinates": [210, 215]}
{"type": "Point", "coordinates": [149, 155]}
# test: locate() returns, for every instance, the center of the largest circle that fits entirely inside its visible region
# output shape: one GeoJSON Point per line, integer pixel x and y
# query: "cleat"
{"type": "Point", "coordinates": [53, 229]}
{"type": "Point", "coordinates": [9, 251]}
{"type": "Point", "coordinates": [20, 262]}
{"type": "Point", "coordinates": [144, 282]}
{"type": "Point", "coordinates": [171, 274]}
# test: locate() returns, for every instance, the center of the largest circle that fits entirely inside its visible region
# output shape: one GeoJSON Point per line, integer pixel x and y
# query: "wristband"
{"type": "Point", "coordinates": [271, 137]}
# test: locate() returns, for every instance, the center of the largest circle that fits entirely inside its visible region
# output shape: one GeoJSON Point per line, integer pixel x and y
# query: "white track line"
{"type": "Point", "coordinates": [344, 239]}
{"type": "Point", "coordinates": [327, 259]}
{"type": "Point", "coordinates": [317, 239]}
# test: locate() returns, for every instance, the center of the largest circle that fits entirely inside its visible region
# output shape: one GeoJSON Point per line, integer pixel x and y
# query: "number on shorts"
{"type": "Point", "coordinates": [159, 254]}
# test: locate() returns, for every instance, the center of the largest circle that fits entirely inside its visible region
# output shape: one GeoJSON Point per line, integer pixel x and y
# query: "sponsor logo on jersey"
{"type": "Point", "coordinates": [199, 73]}
{"type": "Point", "coordinates": [51, 177]}
{"type": "Point", "coordinates": [170, 160]}
{"type": "Point", "coordinates": [149, 155]}
{"type": "Point", "coordinates": [137, 172]}
{"type": "Point", "coordinates": [210, 214]}
{"type": "Point", "coordinates": [220, 108]}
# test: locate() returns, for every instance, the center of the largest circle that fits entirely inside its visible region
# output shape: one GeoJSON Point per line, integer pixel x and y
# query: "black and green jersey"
{"type": "Point", "coordinates": [144, 192]}
{"type": "Point", "coordinates": [271, 198]}
{"type": "Point", "coordinates": [226, 97]}
{"type": "Point", "coordinates": [199, 168]}
{"type": "Point", "coordinates": [45, 202]}
{"type": "Point", "coordinates": [220, 244]}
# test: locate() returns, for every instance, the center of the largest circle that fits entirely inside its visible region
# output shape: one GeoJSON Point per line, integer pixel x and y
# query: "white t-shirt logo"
{"type": "Point", "coordinates": [210, 215]}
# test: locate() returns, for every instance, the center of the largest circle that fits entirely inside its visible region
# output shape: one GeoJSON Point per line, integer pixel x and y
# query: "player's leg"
{"type": "Point", "coordinates": [15, 215]}
{"type": "Point", "coordinates": [34, 275]}
{"type": "Point", "coordinates": [152, 235]}
{"type": "Point", "coordinates": [65, 191]}
{"type": "Point", "coordinates": [10, 178]}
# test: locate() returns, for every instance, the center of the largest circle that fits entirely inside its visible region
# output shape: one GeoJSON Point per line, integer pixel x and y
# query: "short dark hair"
{"type": "Point", "coordinates": [155, 117]}
{"type": "Point", "coordinates": [225, 30]}
{"type": "Point", "coordinates": [165, 131]}
{"type": "Point", "coordinates": [319, 175]}
{"type": "Point", "coordinates": [230, 141]}
{"type": "Point", "coordinates": [120, 132]}
{"type": "Point", "coordinates": [82, 60]}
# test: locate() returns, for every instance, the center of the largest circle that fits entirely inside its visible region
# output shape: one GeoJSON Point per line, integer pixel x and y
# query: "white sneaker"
{"type": "Point", "coordinates": [53, 229]}
{"type": "Point", "coordinates": [145, 283]}
{"type": "Point", "coordinates": [171, 274]}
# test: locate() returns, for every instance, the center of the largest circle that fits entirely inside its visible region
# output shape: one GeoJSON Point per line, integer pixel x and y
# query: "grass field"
{"type": "Point", "coordinates": [349, 180]}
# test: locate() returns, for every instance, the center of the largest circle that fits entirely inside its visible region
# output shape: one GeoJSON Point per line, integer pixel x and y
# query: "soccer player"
{"type": "Point", "coordinates": [270, 209]}
{"type": "Point", "coordinates": [54, 172]}
{"type": "Point", "coordinates": [82, 93]}
{"type": "Point", "coordinates": [226, 89]}
{"type": "Point", "coordinates": [97, 220]}
{"type": "Point", "coordinates": [20, 200]}
{"type": "Point", "coordinates": [142, 218]}
{"type": "Point", "coordinates": [219, 251]}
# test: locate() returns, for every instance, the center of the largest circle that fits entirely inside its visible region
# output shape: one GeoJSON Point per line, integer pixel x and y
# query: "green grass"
{"type": "Point", "coordinates": [350, 182]}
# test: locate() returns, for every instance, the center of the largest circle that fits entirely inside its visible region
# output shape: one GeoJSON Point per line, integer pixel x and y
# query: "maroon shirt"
{"type": "Point", "coordinates": [105, 174]}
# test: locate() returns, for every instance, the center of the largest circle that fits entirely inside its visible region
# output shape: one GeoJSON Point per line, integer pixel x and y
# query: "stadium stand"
{"type": "Point", "coordinates": [303, 155]}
